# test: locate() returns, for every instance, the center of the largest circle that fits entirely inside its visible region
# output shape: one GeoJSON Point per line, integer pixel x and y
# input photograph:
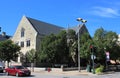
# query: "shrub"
{"type": "Point", "coordinates": [99, 70]}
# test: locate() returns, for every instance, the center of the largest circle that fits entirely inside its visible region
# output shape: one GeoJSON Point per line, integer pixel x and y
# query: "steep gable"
{"type": "Point", "coordinates": [24, 24]}
{"type": "Point", "coordinates": [82, 28]}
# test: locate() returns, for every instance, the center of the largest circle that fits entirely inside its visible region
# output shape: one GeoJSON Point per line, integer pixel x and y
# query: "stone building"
{"type": "Point", "coordinates": [30, 32]}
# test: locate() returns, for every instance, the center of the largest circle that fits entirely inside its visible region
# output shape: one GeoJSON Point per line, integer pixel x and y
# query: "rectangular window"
{"type": "Point", "coordinates": [22, 44]}
{"type": "Point", "coordinates": [22, 34]}
{"type": "Point", "coordinates": [28, 43]}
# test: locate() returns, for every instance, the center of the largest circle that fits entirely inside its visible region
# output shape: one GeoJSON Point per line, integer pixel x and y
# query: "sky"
{"type": "Point", "coordinates": [98, 13]}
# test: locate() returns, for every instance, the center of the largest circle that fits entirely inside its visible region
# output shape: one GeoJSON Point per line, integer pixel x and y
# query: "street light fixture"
{"type": "Point", "coordinates": [79, 19]}
{"type": "Point", "coordinates": [83, 21]}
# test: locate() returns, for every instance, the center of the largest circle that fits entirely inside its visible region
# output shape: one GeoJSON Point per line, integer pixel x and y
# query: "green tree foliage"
{"type": "Point", "coordinates": [63, 47]}
{"type": "Point", "coordinates": [106, 41]}
{"type": "Point", "coordinates": [85, 43]}
{"type": "Point", "coordinates": [72, 44]}
{"type": "Point", "coordinates": [99, 40]}
{"type": "Point", "coordinates": [54, 48]}
{"type": "Point", "coordinates": [46, 50]}
{"type": "Point", "coordinates": [111, 45]}
{"type": "Point", "coordinates": [8, 50]}
{"type": "Point", "coordinates": [103, 41]}
{"type": "Point", "coordinates": [30, 55]}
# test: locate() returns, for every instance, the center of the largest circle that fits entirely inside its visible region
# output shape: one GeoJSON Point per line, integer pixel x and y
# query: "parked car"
{"type": "Point", "coordinates": [17, 70]}
{"type": "Point", "coordinates": [1, 69]}
{"type": "Point", "coordinates": [2, 66]}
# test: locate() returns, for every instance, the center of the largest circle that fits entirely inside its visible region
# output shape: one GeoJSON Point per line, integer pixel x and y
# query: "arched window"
{"type": "Point", "coordinates": [22, 32]}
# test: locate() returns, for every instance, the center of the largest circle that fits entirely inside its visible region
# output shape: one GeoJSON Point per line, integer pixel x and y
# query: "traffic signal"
{"type": "Point", "coordinates": [91, 48]}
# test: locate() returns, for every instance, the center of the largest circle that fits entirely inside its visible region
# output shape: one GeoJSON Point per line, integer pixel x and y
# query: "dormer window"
{"type": "Point", "coordinates": [22, 32]}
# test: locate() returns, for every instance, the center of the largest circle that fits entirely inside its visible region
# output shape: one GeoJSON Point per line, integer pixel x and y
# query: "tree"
{"type": "Point", "coordinates": [72, 45]}
{"type": "Point", "coordinates": [111, 45]}
{"type": "Point", "coordinates": [54, 48]}
{"type": "Point", "coordinates": [8, 50]}
{"type": "Point", "coordinates": [99, 42]}
{"type": "Point", "coordinates": [46, 52]}
{"type": "Point", "coordinates": [103, 41]}
{"type": "Point", "coordinates": [106, 41]}
{"type": "Point", "coordinates": [61, 48]}
{"type": "Point", "coordinates": [30, 55]}
{"type": "Point", "coordinates": [85, 43]}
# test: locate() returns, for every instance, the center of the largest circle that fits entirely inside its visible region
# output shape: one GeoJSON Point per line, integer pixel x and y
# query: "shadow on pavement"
{"type": "Point", "coordinates": [28, 76]}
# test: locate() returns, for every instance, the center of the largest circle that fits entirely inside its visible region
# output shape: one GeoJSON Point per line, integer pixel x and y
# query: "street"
{"type": "Point", "coordinates": [64, 75]}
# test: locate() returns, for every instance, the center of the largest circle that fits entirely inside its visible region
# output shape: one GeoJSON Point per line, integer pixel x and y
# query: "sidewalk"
{"type": "Point", "coordinates": [60, 72]}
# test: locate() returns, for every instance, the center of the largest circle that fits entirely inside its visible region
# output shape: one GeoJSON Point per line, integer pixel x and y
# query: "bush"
{"type": "Point", "coordinates": [99, 70]}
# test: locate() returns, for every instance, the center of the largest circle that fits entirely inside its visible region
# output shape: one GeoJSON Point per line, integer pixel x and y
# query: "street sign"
{"type": "Point", "coordinates": [107, 53]}
{"type": "Point", "coordinates": [107, 56]}
{"type": "Point", "coordinates": [93, 57]}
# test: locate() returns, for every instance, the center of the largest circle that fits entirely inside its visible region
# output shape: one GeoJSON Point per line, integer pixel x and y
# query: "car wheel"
{"type": "Point", "coordinates": [17, 74]}
{"type": "Point", "coordinates": [7, 73]}
{"type": "Point", "coordinates": [1, 71]}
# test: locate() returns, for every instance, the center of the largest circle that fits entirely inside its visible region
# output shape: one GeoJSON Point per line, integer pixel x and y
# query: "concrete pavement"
{"type": "Point", "coordinates": [58, 71]}
{"type": "Point", "coordinates": [82, 72]}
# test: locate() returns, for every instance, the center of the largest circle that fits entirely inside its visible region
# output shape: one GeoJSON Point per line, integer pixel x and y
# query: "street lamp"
{"type": "Point", "coordinates": [83, 21]}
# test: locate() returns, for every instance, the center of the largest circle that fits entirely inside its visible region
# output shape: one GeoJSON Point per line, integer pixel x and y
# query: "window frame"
{"type": "Point", "coordinates": [28, 43]}
{"type": "Point", "coordinates": [22, 32]}
{"type": "Point", "coordinates": [22, 44]}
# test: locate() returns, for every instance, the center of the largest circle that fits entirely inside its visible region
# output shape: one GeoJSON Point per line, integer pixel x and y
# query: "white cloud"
{"type": "Point", "coordinates": [105, 12]}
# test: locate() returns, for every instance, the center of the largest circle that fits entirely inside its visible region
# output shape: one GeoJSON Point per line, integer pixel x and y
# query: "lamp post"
{"type": "Point", "coordinates": [83, 21]}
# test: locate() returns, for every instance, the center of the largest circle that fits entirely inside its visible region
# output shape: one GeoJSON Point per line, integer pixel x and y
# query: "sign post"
{"type": "Point", "coordinates": [92, 57]}
{"type": "Point", "coordinates": [107, 59]}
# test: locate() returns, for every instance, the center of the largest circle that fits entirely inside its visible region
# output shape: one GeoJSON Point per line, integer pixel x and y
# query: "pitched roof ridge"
{"type": "Point", "coordinates": [43, 28]}
{"type": "Point", "coordinates": [29, 18]}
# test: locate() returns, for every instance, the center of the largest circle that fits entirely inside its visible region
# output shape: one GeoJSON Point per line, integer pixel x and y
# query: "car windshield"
{"type": "Point", "coordinates": [19, 67]}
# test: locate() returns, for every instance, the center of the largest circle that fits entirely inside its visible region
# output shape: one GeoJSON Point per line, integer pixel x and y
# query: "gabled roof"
{"type": "Point", "coordinates": [81, 28]}
{"type": "Point", "coordinates": [2, 38]}
{"type": "Point", "coordinates": [43, 27]}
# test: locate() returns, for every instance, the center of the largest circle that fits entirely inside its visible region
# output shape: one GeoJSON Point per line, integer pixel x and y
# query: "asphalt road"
{"type": "Point", "coordinates": [49, 75]}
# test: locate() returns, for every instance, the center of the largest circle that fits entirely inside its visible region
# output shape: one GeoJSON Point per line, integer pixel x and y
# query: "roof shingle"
{"type": "Point", "coordinates": [43, 27]}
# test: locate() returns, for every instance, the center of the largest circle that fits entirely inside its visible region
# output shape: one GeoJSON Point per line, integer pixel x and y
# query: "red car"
{"type": "Point", "coordinates": [17, 70]}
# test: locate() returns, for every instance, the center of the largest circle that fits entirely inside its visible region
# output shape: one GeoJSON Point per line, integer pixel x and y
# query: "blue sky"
{"type": "Point", "coordinates": [98, 13]}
